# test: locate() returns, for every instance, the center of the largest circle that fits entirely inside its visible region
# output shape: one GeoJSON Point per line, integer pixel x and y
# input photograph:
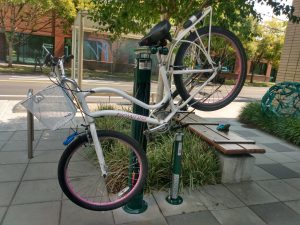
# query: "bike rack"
{"type": "Point", "coordinates": [30, 129]}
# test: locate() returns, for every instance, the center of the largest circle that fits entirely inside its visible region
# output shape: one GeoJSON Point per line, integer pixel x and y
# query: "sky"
{"type": "Point", "coordinates": [264, 9]}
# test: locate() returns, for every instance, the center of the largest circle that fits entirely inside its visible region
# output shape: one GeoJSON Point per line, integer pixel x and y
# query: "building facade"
{"type": "Point", "coordinates": [28, 45]}
{"type": "Point", "coordinates": [99, 52]}
{"type": "Point", "coordinates": [289, 67]}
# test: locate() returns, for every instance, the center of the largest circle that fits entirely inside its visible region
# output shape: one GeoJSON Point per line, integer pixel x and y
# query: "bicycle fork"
{"type": "Point", "coordinates": [98, 149]}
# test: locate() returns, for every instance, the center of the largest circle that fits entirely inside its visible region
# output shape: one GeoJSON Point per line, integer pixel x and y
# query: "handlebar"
{"type": "Point", "coordinates": [192, 19]}
{"type": "Point", "coordinates": [50, 60]}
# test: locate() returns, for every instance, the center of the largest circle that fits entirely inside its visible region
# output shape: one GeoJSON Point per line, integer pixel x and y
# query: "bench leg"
{"type": "Point", "coordinates": [236, 168]}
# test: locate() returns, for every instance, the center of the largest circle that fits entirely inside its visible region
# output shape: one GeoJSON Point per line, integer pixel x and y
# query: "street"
{"type": "Point", "coordinates": [15, 87]}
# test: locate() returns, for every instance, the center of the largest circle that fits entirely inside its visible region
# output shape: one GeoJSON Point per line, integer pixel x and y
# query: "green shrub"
{"type": "Point", "coordinates": [259, 84]}
{"type": "Point", "coordinates": [287, 128]}
{"type": "Point", "coordinates": [200, 165]}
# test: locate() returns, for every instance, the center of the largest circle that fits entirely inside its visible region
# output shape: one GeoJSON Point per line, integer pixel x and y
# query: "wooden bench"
{"type": "Point", "coordinates": [234, 151]}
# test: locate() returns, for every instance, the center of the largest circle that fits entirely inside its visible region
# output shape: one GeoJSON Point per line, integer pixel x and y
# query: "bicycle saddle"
{"type": "Point", "coordinates": [159, 32]}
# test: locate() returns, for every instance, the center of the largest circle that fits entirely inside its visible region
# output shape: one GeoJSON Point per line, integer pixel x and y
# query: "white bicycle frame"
{"type": "Point", "coordinates": [164, 69]}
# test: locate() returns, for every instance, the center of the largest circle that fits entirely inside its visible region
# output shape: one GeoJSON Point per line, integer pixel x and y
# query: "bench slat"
{"type": "Point", "coordinates": [253, 148]}
{"type": "Point", "coordinates": [229, 135]}
{"type": "Point", "coordinates": [229, 143]}
{"type": "Point", "coordinates": [228, 147]}
{"type": "Point", "coordinates": [207, 132]}
{"type": "Point", "coordinates": [234, 141]}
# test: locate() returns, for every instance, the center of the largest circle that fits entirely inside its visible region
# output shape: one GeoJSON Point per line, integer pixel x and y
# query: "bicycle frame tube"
{"type": "Point", "coordinates": [126, 96]}
{"type": "Point", "coordinates": [180, 37]}
{"type": "Point", "coordinates": [167, 88]}
{"type": "Point", "coordinates": [98, 149]}
{"type": "Point", "coordinates": [119, 113]}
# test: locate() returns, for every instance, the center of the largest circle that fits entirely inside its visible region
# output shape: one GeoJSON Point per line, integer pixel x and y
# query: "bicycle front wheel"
{"type": "Point", "coordinates": [80, 175]}
{"type": "Point", "coordinates": [227, 52]}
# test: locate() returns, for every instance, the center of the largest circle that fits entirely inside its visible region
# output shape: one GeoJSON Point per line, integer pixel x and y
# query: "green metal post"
{"type": "Point", "coordinates": [174, 198]}
{"type": "Point", "coordinates": [141, 91]}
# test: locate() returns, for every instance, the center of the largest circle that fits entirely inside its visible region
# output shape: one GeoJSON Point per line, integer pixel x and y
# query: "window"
{"type": "Point", "coordinates": [92, 50]}
{"type": "Point", "coordinates": [29, 47]}
{"type": "Point", "coordinates": [68, 46]}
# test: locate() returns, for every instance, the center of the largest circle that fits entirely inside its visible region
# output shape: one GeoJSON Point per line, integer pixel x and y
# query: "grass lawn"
{"type": "Point", "coordinates": [259, 84]}
{"type": "Point", "coordinates": [17, 69]}
{"type": "Point", "coordinates": [200, 164]}
{"type": "Point", "coordinates": [283, 127]}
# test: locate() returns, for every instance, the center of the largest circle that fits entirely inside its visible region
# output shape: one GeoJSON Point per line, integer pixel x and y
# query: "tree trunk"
{"type": "Point", "coordinates": [252, 71]}
{"type": "Point", "coordinates": [10, 53]}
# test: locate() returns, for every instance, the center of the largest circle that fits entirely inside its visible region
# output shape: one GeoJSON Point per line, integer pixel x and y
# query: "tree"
{"type": "Point", "coordinates": [122, 16]}
{"type": "Point", "coordinates": [24, 16]}
{"type": "Point", "coordinates": [119, 16]}
{"type": "Point", "coordinates": [267, 44]}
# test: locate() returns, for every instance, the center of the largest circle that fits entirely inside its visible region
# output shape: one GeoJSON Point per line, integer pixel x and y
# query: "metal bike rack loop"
{"type": "Point", "coordinates": [30, 129]}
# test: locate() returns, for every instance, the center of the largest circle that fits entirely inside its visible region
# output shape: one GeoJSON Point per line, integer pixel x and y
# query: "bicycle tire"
{"type": "Point", "coordinates": [85, 170]}
{"type": "Point", "coordinates": [208, 104]}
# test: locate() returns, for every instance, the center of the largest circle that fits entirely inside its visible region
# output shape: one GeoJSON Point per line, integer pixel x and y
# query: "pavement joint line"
{"type": "Point", "coordinates": [259, 215]}
{"type": "Point", "coordinates": [40, 179]}
{"type": "Point", "coordinates": [14, 195]}
{"type": "Point", "coordinates": [60, 208]}
{"type": "Point", "coordinates": [282, 202]}
{"type": "Point", "coordinates": [268, 191]}
{"type": "Point", "coordinates": [160, 210]}
{"type": "Point", "coordinates": [37, 141]}
{"type": "Point", "coordinates": [235, 194]}
{"type": "Point", "coordinates": [290, 207]}
{"type": "Point", "coordinates": [7, 141]}
{"type": "Point", "coordinates": [275, 195]}
{"type": "Point", "coordinates": [11, 164]}
{"type": "Point", "coordinates": [31, 163]}
{"type": "Point", "coordinates": [20, 181]}
{"type": "Point", "coordinates": [31, 203]}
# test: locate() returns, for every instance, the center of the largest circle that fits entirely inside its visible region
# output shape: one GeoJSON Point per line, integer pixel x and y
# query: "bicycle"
{"type": "Point", "coordinates": [202, 73]}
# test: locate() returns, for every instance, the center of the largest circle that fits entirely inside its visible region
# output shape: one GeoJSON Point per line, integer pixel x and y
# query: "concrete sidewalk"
{"type": "Point", "coordinates": [30, 193]}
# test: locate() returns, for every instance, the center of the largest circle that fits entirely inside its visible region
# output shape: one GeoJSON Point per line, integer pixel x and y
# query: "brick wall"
{"type": "Point", "coordinates": [289, 67]}
{"type": "Point", "coordinates": [47, 26]}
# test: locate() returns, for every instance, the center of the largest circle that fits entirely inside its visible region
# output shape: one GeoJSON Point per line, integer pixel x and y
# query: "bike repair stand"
{"type": "Point", "coordinates": [174, 198]}
{"type": "Point", "coordinates": [142, 78]}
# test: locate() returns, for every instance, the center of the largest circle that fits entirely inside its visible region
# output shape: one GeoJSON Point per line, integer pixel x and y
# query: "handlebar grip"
{"type": "Point", "coordinates": [192, 19]}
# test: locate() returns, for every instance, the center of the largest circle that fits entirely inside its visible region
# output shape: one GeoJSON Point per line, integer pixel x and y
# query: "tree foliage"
{"type": "Point", "coordinates": [267, 43]}
{"type": "Point", "coordinates": [24, 16]}
{"type": "Point", "coordinates": [124, 16]}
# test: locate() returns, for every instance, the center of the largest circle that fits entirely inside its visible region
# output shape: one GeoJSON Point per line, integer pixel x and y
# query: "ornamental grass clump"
{"type": "Point", "coordinates": [287, 128]}
{"type": "Point", "coordinates": [200, 164]}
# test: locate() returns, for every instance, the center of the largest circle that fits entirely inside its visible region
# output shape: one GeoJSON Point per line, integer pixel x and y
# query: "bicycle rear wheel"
{"type": "Point", "coordinates": [81, 179]}
{"type": "Point", "coordinates": [225, 50]}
